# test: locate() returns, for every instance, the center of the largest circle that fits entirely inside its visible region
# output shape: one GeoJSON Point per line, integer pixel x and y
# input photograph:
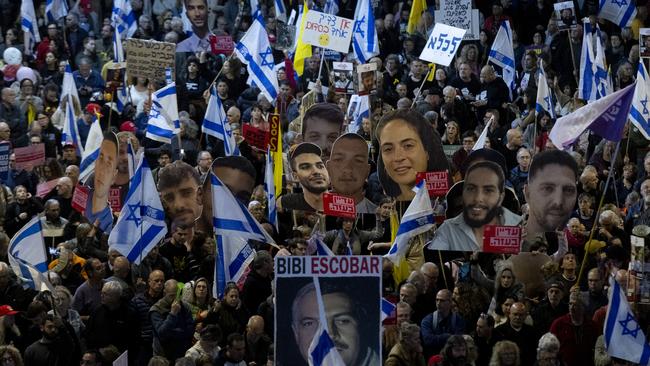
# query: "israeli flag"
{"type": "Point", "coordinates": [364, 39]}
{"type": "Point", "coordinates": [255, 51]}
{"type": "Point", "coordinates": [544, 97]}
{"type": "Point", "coordinates": [215, 124]}
{"type": "Point", "coordinates": [269, 187]}
{"type": "Point", "coordinates": [361, 111]}
{"type": "Point", "coordinates": [122, 96]}
{"type": "Point", "coordinates": [56, 9]}
{"type": "Point", "coordinates": [29, 24]}
{"type": "Point", "coordinates": [387, 308]}
{"type": "Point", "coordinates": [141, 224]}
{"type": "Point", "coordinates": [315, 244]}
{"type": "Point", "coordinates": [70, 131]}
{"type": "Point", "coordinates": [231, 218]}
{"type": "Point", "coordinates": [322, 351]}
{"type": "Point", "coordinates": [69, 88]}
{"type": "Point", "coordinates": [234, 256]}
{"type": "Point", "coordinates": [601, 77]}
{"type": "Point", "coordinates": [417, 219]}
{"type": "Point", "coordinates": [131, 157]}
{"type": "Point", "coordinates": [91, 150]}
{"type": "Point", "coordinates": [332, 7]}
{"type": "Point", "coordinates": [123, 18]}
{"type": "Point", "coordinates": [27, 255]}
{"type": "Point", "coordinates": [624, 337]}
{"type": "Point", "coordinates": [639, 114]}
{"type": "Point", "coordinates": [280, 10]}
{"type": "Point", "coordinates": [502, 54]}
{"type": "Point", "coordinates": [619, 12]}
{"type": "Point", "coordinates": [587, 82]}
{"type": "Point", "coordinates": [163, 117]}
{"type": "Point", "coordinates": [480, 143]}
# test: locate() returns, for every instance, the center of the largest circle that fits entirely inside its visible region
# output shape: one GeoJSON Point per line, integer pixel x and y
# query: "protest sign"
{"type": "Point", "coordinates": [367, 77]}
{"type": "Point", "coordinates": [501, 239]}
{"type": "Point", "coordinates": [42, 189]}
{"type": "Point", "coordinates": [327, 31]}
{"type": "Point", "coordinates": [442, 44]}
{"type": "Point", "coordinates": [274, 131]}
{"type": "Point", "coordinates": [30, 156]}
{"type": "Point", "coordinates": [4, 160]}
{"type": "Point", "coordinates": [255, 137]}
{"type": "Point", "coordinates": [459, 14]}
{"type": "Point", "coordinates": [149, 59]}
{"type": "Point", "coordinates": [343, 77]}
{"type": "Point", "coordinates": [115, 199]}
{"type": "Point", "coordinates": [339, 205]}
{"type": "Point", "coordinates": [349, 285]}
{"type": "Point", "coordinates": [80, 198]}
{"type": "Point", "coordinates": [286, 36]}
{"type": "Point", "coordinates": [222, 45]}
{"type": "Point", "coordinates": [437, 183]}
{"type": "Point", "coordinates": [566, 14]}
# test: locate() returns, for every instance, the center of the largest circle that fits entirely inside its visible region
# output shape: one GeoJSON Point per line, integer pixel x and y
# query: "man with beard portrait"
{"type": "Point", "coordinates": [483, 193]}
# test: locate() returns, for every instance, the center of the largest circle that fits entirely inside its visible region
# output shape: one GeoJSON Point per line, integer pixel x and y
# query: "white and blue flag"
{"type": "Point", "coordinates": [91, 150]}
{"type": "Point", "coordinates": [364, 39]}
{"type": "Point", "coordinates": [624, 337]}
{"type": "Point", "coordinates": [587, 82]}
{"type": "Point", "coordinates": [122, 96]}
{"type": "Point", "coordinates": [280, 10]}
{"type": "Point", "coordinates": [601, 77]}
{"type": "Point", "coordinates": [480, 143]}
{"type": "Point", "coordinates": [141, 224]}
{"type": "Point", "coordinates": [123, 18]}
{"type": "Point", "coordinates": [544, 101]}
{"type": "Point", "coordinates": [163, 117]}
{"type": "Point", "coordinates": [234, 255]}
{"type": "Point", "coordinates": [70, 133]}
{"type": "Point", "coordinates": [56, 9]}
{"type": "Point", "coordinates": [131, 157]}
{"type": "Point", "coordinates": [69, 89]}
{"type": "Point", "coordinates": [322, 351]}
{"type": "Point", "coordinates": [619, 12]}
{"type": "Point", "coordinates": [332, 7]}
{"type": "Point", "coordinates": [417, 219]}
{"type": "Point", "coordinates": [215, 124]}
{"type": "Point", "coordinates": [639, 113]}
{"type": "Point", "coordinates": [361, 105]}
{"type": "Point", "coordinates": [387, 308]}
{"type": "Point", "coordinates": [502, 54]}
{"type": "Point", "coordinates": [315, 244]}
{"type": "Point", "coordinates": [255, 51]}
{"type": "Point", "coordinates": [29, 24]}
{"type": "Point", "coordinates": [27, 255]}
{"type": "Point", "coordinates": [269, 187]}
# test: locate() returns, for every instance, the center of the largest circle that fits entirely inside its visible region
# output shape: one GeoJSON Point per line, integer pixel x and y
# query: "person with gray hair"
{"type": "Point", "coordinates": [408, 350]}
{"type": "Point", "coordinates": [52, 222]}
{"type": "Point", "coordinates": [548, 348]}
{"type": "Point", "coordinates": [109, 323]}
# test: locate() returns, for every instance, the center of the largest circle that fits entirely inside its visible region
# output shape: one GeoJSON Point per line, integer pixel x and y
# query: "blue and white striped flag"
{"type": "Point", "coordinates": [315, 244]}
{"type": "Point", "coordinates": [417, 219]}
{"type": "Point", "coordinates": [69, 89]}
{"type": "Point", "coordinates": [215, 124]}
{"type": "Point", "coordinates": [91, 150]}
{"type": "Point", "coordinates": [624, 337]}
{"type": "Point", "coordinates": [639, 113]}
{"type": "Point", "coordinates": [387, 308]}
{"type": "Point", "coordinates": [322, 351]}
{"type": "Point", "coordinates": [332, 7]}
{"type": "Point", "coordinates": [163, 117]}
{"type": "Point", "coordinates": [141, 224]}
{"type": "Point", "coordinates": [234, 255]}
{"type": "Point", "coordinates": [364, 39]}
{"type": "Point", "coordinates": [280, 10]}
{"type": "Point", "coordinates": [599, 62]}
{"type": "Point", "coordinates": [29, 24]}
{"type": "Point", "coordinates": [544, 97]}
{"type": "Point", "coordinates": [70, 133]}
{"type": "Point", "coordinates": [122, 95]}
{"type": "Point", "coordinates": [361, 111]}
{"type": "Point", "coordinates": [619, 12]}
{"type": "Point", "coordinates": [255, 51]}
{"type": "Point", "coordinates": [269, 187]}
{"type": "Point", "coordinates": [587, 82]}
{"type": "Point", "coordinates": [27, 255]}
{"type": "Point", "coordinates": [502, 54]}
{"type": "Point", "coordinates": [123, 18]}
{"type": "Point", "coordinates": [56, 9]}
{"type": "Point", "coordinates": [131, 157]}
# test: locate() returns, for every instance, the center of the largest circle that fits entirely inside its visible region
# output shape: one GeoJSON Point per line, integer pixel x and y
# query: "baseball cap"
{"type": "Point", "coordinates": [69, 144]}
{"type": "Point", "coordinates": [555, 284]}
{"type": "Point", "coordinates": [128, 126]}
{"type": "Point", "coordinates": [305, 148]}
{"type": "Point", "coordinates": [94, 108]}
{"type": "Point", "coordinates": [7, 310]}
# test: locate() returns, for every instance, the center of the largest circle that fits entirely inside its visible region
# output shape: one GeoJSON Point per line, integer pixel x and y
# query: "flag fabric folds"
{"type": "Point", "coordinates": [624, 337]}
{"type": "Point", "coordinates": [315, 243]}
{"type": "Point", "coordinates": [502, 54]}
{"type": "Point", "coordinates": [364, 39]}
{"type": "Point", "coordinates": [417, 9]}
{"type": "Point", "coordinates": [123, 18]}
{"type": "Point", "coordinates": [303, 50]}
{"type": "Point", "coordinates": [619, 12]}
{"type": "Point", "coordinates": [269, 187]}
{"type": "Point", "coordinates": [601, 77]}
{"type": "Point", "coordinates": [605, 117]}
{"type": "Point", "coordinates": [587, 81]}
{"type": "Point", "coordinates": [91, 150]}
{"type": "Point", "coordinates": [280, 10]}
{"type": "Point", "coordinates": [417, 219]}
{"type": "Point", "coordinates": [29, 24]}
{"type": "Point", "coordinates": [387, 308]}
{"type": "Point", "coordinates": [27, 255]}
{"type": "Point", "coordinates": [255, 51]}
{"type": "Point", "coordinates": [56, 9]}
{"type": "Point", "coordinates": [163, 116]}
{"type": "Point", "coordinates": [70, 133]}
{"type": "Point", "coordinates": [639, 113]}
{"type": "Point", "coordinates": [322, 351]}
{"type": "Point", "coordinates": [361, 105]}
{"type": "Point", "coordinates": [215, 124]}
{"type": "Point", "coordinates": [544, 101]}
{"type": "Point", "coordinates": [141, 224]}
{"type": "Point", "coordinates": [69, 89]}
{"type": "Point", "coordinates": [234, 255]}
{"type": "Point", "coordinates": [480, 143]}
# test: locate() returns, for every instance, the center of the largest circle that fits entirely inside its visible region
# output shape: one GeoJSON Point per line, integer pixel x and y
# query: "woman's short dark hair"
{"type": "Point", "coordinates": [430, 140]}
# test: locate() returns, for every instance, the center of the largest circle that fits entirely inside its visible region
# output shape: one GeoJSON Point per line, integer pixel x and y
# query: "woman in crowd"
{"type": "Point", "coordinates": [452, 134]}
{"type": "Point", "coordinates": [505, 353]}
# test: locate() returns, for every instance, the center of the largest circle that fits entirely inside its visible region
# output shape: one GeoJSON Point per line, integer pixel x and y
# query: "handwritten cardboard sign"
{"type": "Point", "coordinates": [30, 156]}
{"type": "Point", "coordinates": [442, 45]}
{"type": "Point", "coordinates": [274, 132]}
{"type": "Point", "coordinates": [149, 59]}
{"type": "Point", "coordinates": [328, 31]}
{"type": "Point", "coordinates": [501, 239]}
{"type": "Point", "coordinates": [437, 182]}
{"type": "Point", "coordinates": [459, 14]}
{"type": "Point", "coordinates": [222, 45]}
{"type": "Point", "coordinates": [256, 137]}
{"type": "Point", "coordinates": [80, 198]}
{"type": "Point", "coordinates": [339, 205]}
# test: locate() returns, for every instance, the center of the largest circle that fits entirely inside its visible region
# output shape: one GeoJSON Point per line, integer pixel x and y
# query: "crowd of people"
{"type": "Point", "coordinates": [456, 303]}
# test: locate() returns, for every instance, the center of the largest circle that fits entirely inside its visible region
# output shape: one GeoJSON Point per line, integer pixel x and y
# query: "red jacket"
{"type": "Point", "coordinates": [576, 343]}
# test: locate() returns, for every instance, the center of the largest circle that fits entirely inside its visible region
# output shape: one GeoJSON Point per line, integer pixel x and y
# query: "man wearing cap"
{"type": "Point", "coordinates": [551, 308]}
{"type": "Point", "coordinates": [91, 112]}
{"type": "Point", "coordinates": [69, 156]}
{"type": "Point", "coordinates": [308, 169]}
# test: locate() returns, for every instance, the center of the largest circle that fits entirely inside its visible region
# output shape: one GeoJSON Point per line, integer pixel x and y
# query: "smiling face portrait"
{"type": "Point", "coordinates": [483, 193]}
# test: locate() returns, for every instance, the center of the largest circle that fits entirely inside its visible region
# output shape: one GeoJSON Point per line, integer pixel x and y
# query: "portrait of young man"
{"type": "Point", "coordinates": [321, 125]}
{"type": "Point", "coordinates": [309, 170]}
{"type": "Point", "coordinates": [97, 205]}
{"type": "Point", "coordinates": [180, 193]}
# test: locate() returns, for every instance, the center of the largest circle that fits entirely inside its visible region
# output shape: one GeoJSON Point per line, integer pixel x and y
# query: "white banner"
{"type": "Point", "coordinates": [443, 44]}
{"type": "Point", "coordinates": [328, 31]}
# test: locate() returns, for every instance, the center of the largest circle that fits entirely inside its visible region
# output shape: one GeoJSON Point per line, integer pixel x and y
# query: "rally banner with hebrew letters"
{"type": "Point", "coordinates": [274, 132]}
{"type": "Point", "coordinates": [443, 44]}
{"type": "Point", "coordinates": [149, 59]}
{"type": "Point", "coordinates": [459, 14]}
{"type": "Point", "coordinates": [328, 31]}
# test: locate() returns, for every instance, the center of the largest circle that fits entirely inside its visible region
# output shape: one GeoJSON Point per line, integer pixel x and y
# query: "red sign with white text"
{"type": "Point", "coordinates": [501, 239]}
{"type": "Point", "coordinates": [437, 182]}
{"type": "Point", "coordinates": [115, 199]}
{"type": "Point", "coordinates": [338, 205]}
{"type": "Point", "coordinates": [80, 198]}
{"type": "Point", "coordinates": [222, 45]}
{"type": "Point", "coordinates": [256, 137]}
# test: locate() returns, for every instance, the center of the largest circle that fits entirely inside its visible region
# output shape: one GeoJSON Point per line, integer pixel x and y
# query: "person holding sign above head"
{"type": "Point", "coordinates": [483, 193]}
{"type": "Point", "coordinates": [308, 169]}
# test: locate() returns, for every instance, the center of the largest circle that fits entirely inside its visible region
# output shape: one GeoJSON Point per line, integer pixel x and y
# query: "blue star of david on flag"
{"type": "Point", "coordinates": [264, 55]}
{"type": "Point", "coordinates": [133, 214]}
{"type": "Point", "coordinates": [624, 323]}
{"type": "Point", "coordinates": [619, 2]}
{"type": "Point", "coordinates": [357, 26]}
{"type": "Point", "coordinates": [155, 111]}
{"type": "Point", "coordinates": [644, 103]}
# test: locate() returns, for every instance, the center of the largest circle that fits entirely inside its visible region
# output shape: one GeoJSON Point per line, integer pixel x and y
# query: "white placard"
{"type": "Point", "coordinates": [123, 360]}
{"type": "Point", "coordinates": [443, 44]}
{"type": "Point", "coordinates": [328, 31]}
{"type": "Point", "coordinates": [459, 14]}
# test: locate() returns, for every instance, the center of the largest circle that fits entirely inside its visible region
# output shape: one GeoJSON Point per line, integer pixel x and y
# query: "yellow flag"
{"type": "Point", "coordinates": [418, 7]}
{"type": "Point", "coordinates": [303, 50]}
{"type": "Point", "coordinates": [432, 73]}
{"type": "Point", "coordinates": [277, 165]}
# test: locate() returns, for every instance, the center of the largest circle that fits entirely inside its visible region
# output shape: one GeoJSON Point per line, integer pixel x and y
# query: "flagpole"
{"type": "Point", "coordinates": [573, 60]}
{"type": "Point", "coordinates": [424, 80]}
{"type": "Point", "coordinates": [322, 58]}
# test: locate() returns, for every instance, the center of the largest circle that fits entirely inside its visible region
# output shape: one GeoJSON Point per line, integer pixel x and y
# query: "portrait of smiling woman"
{"type": "Point", "coordinates": [407, 145]}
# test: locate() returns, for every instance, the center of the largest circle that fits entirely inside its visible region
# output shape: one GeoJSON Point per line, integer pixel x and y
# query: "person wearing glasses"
{"type": "Point", "coordinates": [438, 326]}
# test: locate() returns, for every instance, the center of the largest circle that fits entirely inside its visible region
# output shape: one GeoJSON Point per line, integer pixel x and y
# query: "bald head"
{"type": "Point", "coordinates": [233, 114]}
{"type": "Point", "coordinates": [255, 324]}
{"type": "Point", "coordinates": [64, 187]}
{"type": "Point", "coordinates": [121, 267]}
{"type": "Point", "coordinates": [487, 74]}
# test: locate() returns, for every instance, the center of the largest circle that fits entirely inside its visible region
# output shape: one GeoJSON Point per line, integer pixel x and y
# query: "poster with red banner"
{"type": "Point", "coordinates": [256, 137]}
{"type": "Point", "coordinates": [338, 205]}
{"type": "Point", "coordinates": [501, 239]}
{"type": "Point", "coordinates": [80, 197]}
{"type": "Point", "coordinates": [437, 182]}
{"type": "Point", "coordinates": [115, 199]}
{"type": "Point", "coordinates": [222, 45]}
{"type": "Point", "coordinates": [30, 156]}
{"type": "Point", "coordinates": [44, 188]}
{"type": "Point", "coordinates": [274, 122]}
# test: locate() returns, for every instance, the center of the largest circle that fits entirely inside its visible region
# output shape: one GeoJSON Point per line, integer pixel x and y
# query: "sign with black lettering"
{"type": "Point", "coordinates": [149, 59]}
